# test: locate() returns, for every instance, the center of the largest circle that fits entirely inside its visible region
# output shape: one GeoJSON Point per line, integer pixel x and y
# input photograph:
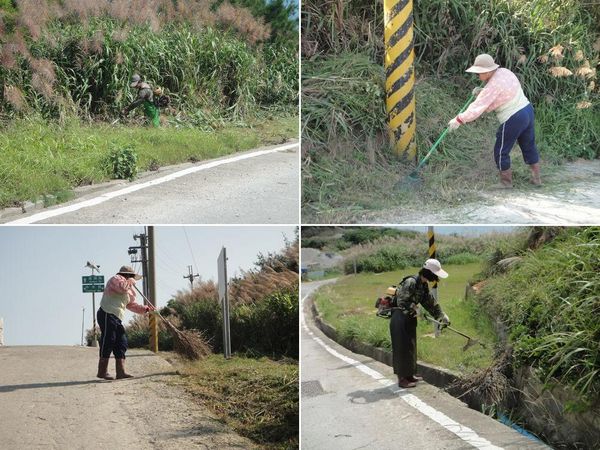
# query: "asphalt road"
{"type": "Point", "coordinates": [350, 401]}
{"type": "Point", "coordinates": [51, 399]}
{"type": "Point", "coordinates": [245, 188]}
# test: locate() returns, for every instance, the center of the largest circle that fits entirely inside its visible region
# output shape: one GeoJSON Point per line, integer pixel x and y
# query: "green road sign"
{"type": "Point", "coordinates": [92, 279]}
{"type": "Point", "coordinates": [93, 288]}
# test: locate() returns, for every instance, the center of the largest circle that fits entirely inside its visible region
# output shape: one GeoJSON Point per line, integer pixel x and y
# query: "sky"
{"type": "Point", "coordinates": [41, 298]}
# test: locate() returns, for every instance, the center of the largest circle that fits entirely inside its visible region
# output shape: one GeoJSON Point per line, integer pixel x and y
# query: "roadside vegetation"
{"type": "Point", "coordinates": [550, 302]}
{"type": "Point", "coordinates": [349, 169]}
{"type": "Point", "coordinates": [256, 392]}
{"type": "Point", "coordinates": [65, 68]}
{"type": "Point", "coordinates": [389, 249]}
{"type": "Point", "coordinates": [44, 160]}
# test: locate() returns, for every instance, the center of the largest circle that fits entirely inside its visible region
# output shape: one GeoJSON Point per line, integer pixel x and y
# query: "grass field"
{"type": "Point", "coordinates": [349, 304]}
{"type": "Point", "coordinates": [40, 159]}
{"type": "Point", "coordinates": [258, 398]}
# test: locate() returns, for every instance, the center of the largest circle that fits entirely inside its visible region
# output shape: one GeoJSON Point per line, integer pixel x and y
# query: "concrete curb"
{"type": "Point", "coordinates": [434, 375]}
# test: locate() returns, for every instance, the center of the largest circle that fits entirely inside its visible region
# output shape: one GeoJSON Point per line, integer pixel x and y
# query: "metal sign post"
{"type": "Point", "coordinates": [93, 284]}
{"type": "Point", "coordinates": [224, 299]}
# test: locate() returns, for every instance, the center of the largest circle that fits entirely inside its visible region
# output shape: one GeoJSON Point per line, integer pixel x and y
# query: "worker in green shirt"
{"type": "Point", "coordinates": [145, 97]}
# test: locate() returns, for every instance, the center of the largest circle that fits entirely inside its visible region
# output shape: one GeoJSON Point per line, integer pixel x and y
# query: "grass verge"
{"type": "Point", "coordinates": [39, 158]}
{"type": "Point", "coordinates": [348, 305]}
{"type": "Point", "coordinates": [258, 398]}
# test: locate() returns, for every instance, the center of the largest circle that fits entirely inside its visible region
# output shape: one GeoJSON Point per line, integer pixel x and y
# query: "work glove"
{"type": "Point", "coordinates": [453, 124]}
{"type": "Point", "coordinates": [476, 91]}
{"type": "Point", "coordinates": [445, 320]}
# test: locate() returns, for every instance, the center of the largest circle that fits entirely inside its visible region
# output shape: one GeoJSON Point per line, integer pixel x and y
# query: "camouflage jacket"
{"type": "Point", "coordinates": [144, 93]}
{"type": "Point", "coordinates": [412, 292]}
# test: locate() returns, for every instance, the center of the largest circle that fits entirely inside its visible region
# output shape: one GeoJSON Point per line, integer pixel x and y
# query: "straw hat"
{"type": "Point", "coordinates": [483, 63]}
{"type": "Point", "coordinates": [127, 270]}
{"type": "Point", "coordinates": [434, 266]}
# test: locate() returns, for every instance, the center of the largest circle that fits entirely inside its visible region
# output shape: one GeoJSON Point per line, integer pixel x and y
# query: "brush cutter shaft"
{"type": "Point", "coordinates": [449, 327]}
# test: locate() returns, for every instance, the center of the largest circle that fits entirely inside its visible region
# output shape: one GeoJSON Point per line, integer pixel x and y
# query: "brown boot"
{"type": "Point", "coordinates": [103, 369]}
{"type": "Point", "coordinates": [536, 180]}
{"type": "Point", "coordinates": [120, 365]}
{"type": "Point", "coordinates": [505, 180]}
{"type": "Point", "coordinates": [406, 383]}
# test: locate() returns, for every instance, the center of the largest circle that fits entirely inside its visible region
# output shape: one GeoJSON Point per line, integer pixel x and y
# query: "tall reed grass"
{"type": "Point", "coordinates": [550, 303]}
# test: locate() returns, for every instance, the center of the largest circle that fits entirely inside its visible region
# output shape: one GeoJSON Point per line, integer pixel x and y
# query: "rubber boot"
{"type": "Point", "coordinates": [505, 180]}
{"type": "Point", "coordinates": [120, 365]}
{"type": "Point", "coordinates": [103, 369]}
{"type": "Point", "coordinates": [406, 383]}
{"type": "Point", "coordinates": [536, 180]}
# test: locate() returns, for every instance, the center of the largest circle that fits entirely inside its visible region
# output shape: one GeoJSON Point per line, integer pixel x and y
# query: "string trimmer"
{"type": "Point", "coordinates": [470, 341]}
{"type": "Point", "coordinates": [413, 177]}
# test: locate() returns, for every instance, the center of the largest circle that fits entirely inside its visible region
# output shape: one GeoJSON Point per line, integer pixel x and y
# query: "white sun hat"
{"type": "Point", "coordinates": [483, 63]}
{"type": "Point", "coordinates": [434, 266]}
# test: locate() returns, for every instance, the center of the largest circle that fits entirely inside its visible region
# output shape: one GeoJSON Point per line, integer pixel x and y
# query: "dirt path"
{"type": "Point", "coordinates": [51, 399]}
{"type": "Point", "coordinates": [568, 197]}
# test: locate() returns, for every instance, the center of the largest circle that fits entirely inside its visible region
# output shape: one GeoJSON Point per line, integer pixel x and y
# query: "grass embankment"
{"type": "Point", "coordinates": [349, 168]}
{"type": "Point", "coordinates": [348, 305]}
{"type": "Point", "coordinates": [258, 398]}
{"type": "Point", "coordinates": [40, 159]}
{"type": "Point", "coordinates": [550, 303]}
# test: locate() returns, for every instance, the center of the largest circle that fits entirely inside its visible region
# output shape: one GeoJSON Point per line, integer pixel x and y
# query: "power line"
{"type": "Point", "coordinates": [190, 247]}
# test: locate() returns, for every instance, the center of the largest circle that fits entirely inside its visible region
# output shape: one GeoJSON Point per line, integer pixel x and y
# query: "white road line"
{"type": "Point", "coordinates": [463, 432]}
{"type": "Point", "coordinates": [136, 187]}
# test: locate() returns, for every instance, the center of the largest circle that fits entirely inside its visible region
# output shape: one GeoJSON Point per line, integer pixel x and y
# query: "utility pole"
{"type": "Point", "coordinates": [152, 289]}
{"type": "Point", "coordinates": [1, 331]}
{"type": "Point", "coordinates": [147, 258]}
{"type": "Point", "coordinates": [143, 258]}
{"type": "Point", "coordinates": [191, 277]}
{"type": "Point", "coordinates": [82, 325]}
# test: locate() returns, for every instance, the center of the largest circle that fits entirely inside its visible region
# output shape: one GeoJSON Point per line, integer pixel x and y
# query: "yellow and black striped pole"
{"type": "Point", "coordinates": [434, 287]}
{"type": "Point", "coordinates": [400, 75]}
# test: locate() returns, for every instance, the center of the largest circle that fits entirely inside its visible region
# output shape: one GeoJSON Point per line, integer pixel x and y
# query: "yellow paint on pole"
{"type": "Point", "coordinates": [153, 334]}
{"type": "Point", "coordinates": [400, 75]}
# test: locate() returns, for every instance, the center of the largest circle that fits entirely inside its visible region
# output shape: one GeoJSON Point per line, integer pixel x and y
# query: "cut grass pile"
{"type": "Point", "coordinates": [348, 305]}
{"type": "Point", "coordinates": [258, 398]}
{"type": "Point", "coordinates": [39, 158]}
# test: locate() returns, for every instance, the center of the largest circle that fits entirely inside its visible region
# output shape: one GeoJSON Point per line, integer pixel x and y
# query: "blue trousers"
{"type": "Point", "coordinates": [113, 338]}
{"type": "Point", "coordinates": [518, 128]}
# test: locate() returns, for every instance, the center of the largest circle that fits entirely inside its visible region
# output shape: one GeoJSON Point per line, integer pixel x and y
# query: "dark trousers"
{"type": "Point", "coordinates": [403, 331]}
{"type": "Point", "coordinates": [519, 127]}
{"type": "Point", "coordinates": [113, 338]}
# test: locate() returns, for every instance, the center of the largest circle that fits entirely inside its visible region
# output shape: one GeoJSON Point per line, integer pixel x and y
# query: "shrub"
{"type": "Point", "coordinates": [123, 163]}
